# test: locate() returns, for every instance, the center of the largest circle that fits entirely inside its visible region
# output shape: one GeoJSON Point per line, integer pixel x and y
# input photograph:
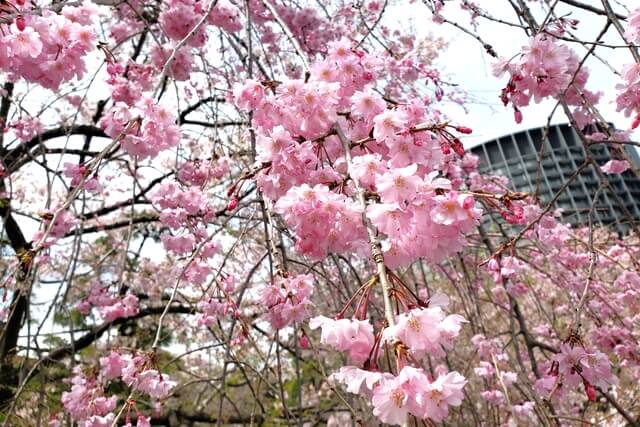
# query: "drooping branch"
{"type": "Point", "coordinates": [376, 247]}
{"type": "Point", "coordinates": [97, 332]}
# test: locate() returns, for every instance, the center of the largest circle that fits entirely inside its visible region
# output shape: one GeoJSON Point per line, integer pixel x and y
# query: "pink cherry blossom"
{"type": "Point", "coordinates": [111, 365]}
{"type": "Point", "coordinates": [86, 399]}
{"type": "Point", "coordinates": [386, 124]}
{"type": "Point", "coordinates": [632, 34]}
{"type": "Point", "coordinates": [615, 166]}
{"type": "Point", "coordinates": [25, 43]}
{"type": "Point", "coordinates": [445, 391]}
{"type": "Point", "coordinates": [352, 336]}
{"type": "Point", "coordinates": [425, 330]}
{"type": "Point", "coordinates": [367, 104]}
{"type": "Point", "coordinates": [287, 300]}
{"type": "Point", "coordinates": [451, 208]}
{"type": "Point", "coordinates": [391, 401]}
{"type": "Point", "coordinates": [248, 95]}
{"type": "Point", "coordinates": [399, 185]}
{"type": "Point", "coordinates": [523, 410]}
{"type": "Point", "coordinates": [359, 381]}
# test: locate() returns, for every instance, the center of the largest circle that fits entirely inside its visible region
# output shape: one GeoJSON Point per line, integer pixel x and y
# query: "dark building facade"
{"type": "Point", "coordinates": [516, 157]}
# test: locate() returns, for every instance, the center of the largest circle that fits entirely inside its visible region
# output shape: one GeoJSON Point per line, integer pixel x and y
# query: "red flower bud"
{"type": "Point", "coordinates": [233, 203]}
{"type": "Point", "coordinates": [304, 342]}
{"type": "Point", "coordinates": [590, 390]}
{"type": "Point", "coordinates": [464, 129]}
{"type": "Point", "coordinates": [458, 147]}
{"type": "Point", "coordinates": [468, 202]}
{"type": "Point", "coordinates": [504, 97]}
{"type": "Point", "coordinates": [20, 24]}
{"type": "Point", "coordinates": [518, 116]}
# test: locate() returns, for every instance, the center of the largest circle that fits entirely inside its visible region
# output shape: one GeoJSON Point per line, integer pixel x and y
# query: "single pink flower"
{"type": "Point", "coordinates": [350, 335]}
{"type": "Point", "coordinates": [615, 166]}
{"type": "Point", "coordinates": [25, 43]}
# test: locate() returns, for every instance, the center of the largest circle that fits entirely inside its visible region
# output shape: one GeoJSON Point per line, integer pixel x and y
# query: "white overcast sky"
{"type": "Point", "coordinates": [466, 63]}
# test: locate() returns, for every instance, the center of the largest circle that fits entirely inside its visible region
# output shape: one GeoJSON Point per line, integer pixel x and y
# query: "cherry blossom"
{"type": "Point", "coordinates": [632, 33]}
{"type": "Point", "coordinates": [425, 330]}
{"type": "Point", "coordinates": [615, 166]}
{"type": "Point", "coordinates": [353, 336]}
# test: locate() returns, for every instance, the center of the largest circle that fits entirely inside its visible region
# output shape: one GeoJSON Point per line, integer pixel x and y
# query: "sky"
{"type": "Point", "coordinates": [466, 63]}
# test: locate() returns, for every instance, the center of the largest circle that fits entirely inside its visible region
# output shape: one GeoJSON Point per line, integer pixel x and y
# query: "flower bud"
{"type": "Point", "coordinates": [233, 203]}
{"type": "Point", "coordinates": [518, 116]}
{"type": "Point", "coordinates": [20, 24]}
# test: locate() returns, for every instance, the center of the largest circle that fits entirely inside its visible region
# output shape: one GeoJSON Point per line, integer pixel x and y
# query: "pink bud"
{"type": "Point", "coordinates": [233, 203]}
{"type": "Point", "coordinates": [504, 98]}
{"type": "Point", "coordinates": [20, 24]}
{"type": "Point", "coordinates": [636, 122]}
{"type": "Point", "coordinates": [458, 147]}
{"type": "Point", "coordinates": [518, 116]}
{"type": "Point", "coordinates": [468, 202]}
{"type": "Point", "coordinates": [518, 211]}
{"type": "Point", "coordinates": [590, 390]}
{"type": "Point", "coordinates": [464, 129]}
{"type": "Point", "coordinates": [112, 68]}
{"type": "Point", "coordinates": [304, 342]}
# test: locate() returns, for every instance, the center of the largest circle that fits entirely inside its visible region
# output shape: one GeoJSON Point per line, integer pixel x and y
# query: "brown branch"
{"type": "Point", "coordinates": [95, 333]}
{"type": "Point", "coordinates": [590, 8]}
{"type": "Point", "coordinates": [11, 157]}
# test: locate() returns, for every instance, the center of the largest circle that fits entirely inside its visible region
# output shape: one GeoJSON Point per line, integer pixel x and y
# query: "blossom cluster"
{"type": "Point", "coordinates": [48, 48]}
{"type": "Point", "coordinates": [323, 220]}
{"type": "Point", "coordinates": [303, 166]}
{"type": "Point", "coordinates": [547, 69]}
{"type": "Point", "coordinates": [574, 366]}
{"type": "Point", "coordinates": [353, 336]}
{"type": "Point", "coordinates": [55, 225]}
{"type": "Point", "coordinates": [628, 99]}
{"type": "Point", "coordinates": [110, 305]}
{"type": "Point", "coordinates": [143, 131]}
{"type": "Point", "coordinates": [425, 331]}
{"type": "Point", "coordinates": [632, 34]}
{"type": "Point", "coordinates": [78, 175]}
{"type": "Point", "coordinates": [287, 300]}
{"type": "Point", "coordinates": [188, 211]}
{"type": "Point", "coordinates": [411, 392]}
{"type": "Point", "coordinates": [212, 308]}
{"type": "Point", "coordinates": [26, 127]}
{"type": "Point", "coordinates": [87, 404]}
{"type": "Point", "coordinates": [493, 367]}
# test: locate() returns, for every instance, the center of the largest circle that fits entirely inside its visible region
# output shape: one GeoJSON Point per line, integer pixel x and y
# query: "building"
{"type": "Point", "coordinates": [516, 157]}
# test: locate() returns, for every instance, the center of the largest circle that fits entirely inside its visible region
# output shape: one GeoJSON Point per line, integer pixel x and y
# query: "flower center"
{"type": "Point", "coordinates": [397, 396]}
{"type": "Point", "coordinates": [413, 323]}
